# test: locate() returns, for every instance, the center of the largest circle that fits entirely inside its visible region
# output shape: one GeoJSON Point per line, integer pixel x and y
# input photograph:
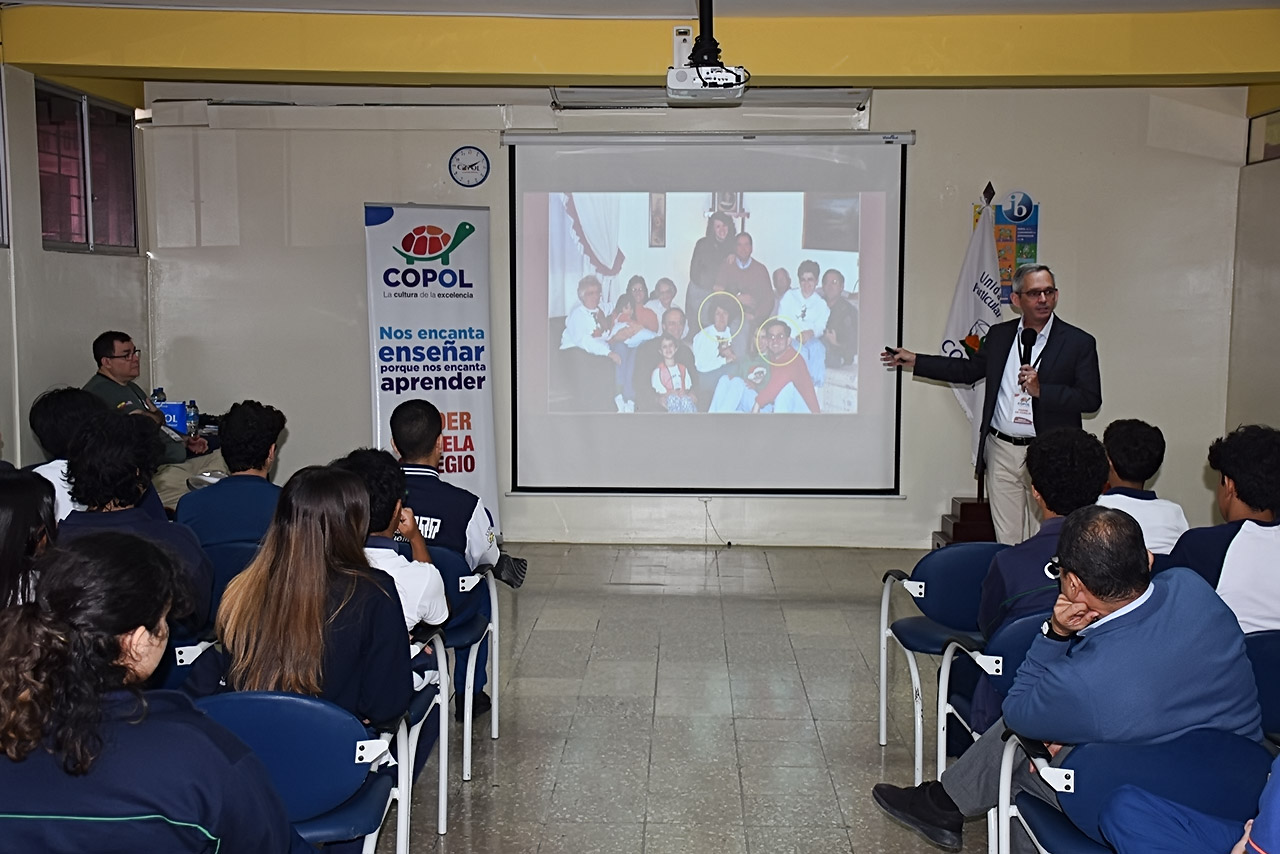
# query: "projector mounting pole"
{"type": "Point", "coordinates": [706, 50]}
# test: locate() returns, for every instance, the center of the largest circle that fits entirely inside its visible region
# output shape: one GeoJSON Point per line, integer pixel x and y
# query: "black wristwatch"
{"type": "Point", "coordinates": [1046, 629]}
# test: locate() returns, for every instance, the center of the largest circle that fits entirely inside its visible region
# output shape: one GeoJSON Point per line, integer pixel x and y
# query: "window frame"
{"type": "Point", "coordinates": [91, 246]}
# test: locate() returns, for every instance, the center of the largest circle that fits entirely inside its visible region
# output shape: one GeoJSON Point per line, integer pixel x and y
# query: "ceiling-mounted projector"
{"type": "Point", "coordinates": [705, 80]}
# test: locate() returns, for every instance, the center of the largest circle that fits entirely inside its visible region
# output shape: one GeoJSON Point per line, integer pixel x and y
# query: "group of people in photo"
{"type": "Point", "coordinates": [745, 340]}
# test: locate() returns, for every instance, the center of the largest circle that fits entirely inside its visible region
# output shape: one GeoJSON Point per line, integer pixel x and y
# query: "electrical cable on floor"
{"type": "Point", "coordinates": [706, 506]}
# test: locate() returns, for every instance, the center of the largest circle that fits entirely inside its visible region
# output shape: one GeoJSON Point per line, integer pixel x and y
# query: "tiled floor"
{"type": "Point", "coordinates": [686, 700]}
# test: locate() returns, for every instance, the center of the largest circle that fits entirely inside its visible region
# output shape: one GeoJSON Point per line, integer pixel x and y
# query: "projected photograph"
{"type": "Point", "coordinates": [702, 302]}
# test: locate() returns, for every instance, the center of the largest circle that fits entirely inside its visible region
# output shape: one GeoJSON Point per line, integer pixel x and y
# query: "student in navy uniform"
{"type": "Point", "coordinates": [308, 615]}
{"type": "Point", "coordinates": [1239, 557]}
{"type": "Point", "coordinates": [1135, 451]}
{"type": "Point", "coordinates": [112, 460]}
{"type": "Point", "coordinates": [449, 517]}
{"type": "Point", "coordinates": [238, 508]}
{"type": "Point", "coordinates": [90, 763]}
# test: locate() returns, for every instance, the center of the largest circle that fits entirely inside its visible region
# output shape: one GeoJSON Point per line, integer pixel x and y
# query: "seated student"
{"type": "Point", "coordinates": [789, 387]}
{"type": "Point", "coordinates": [806, 312]}
{"type": "Point", "coordinates": [419, 584]}
{"type": "Point", "coordinates": [88, 762]}
{"type": "Point", "coordinates": [112, 460]}
{"type": "Point", "coordinates": [1135, 450]}
{"type": "Point", "coordinates": [27, 528]}
{"type": "Point", "coordinates": [671, 381]}
{"type": "Point", "coordinates": [1125, 659]}
{"type": "Point", "coordinates": [55, 417]}
{"type": "Point", "coordinates": [1068, 468]}
{"type": "Point", "coordinates": [1134, 821]}
{"type": "Point", "coordinates": [238, 508]}
{"type": "Point", "coordinates": [1239, 557]}
{"type": "Point", "coordinates": [308, 615]}
{"type": "Point", "coordinates": [649, 354]}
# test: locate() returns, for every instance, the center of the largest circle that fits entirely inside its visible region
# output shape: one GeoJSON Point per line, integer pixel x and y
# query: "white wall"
{"type": "Point", "coordinates": [258, 282]}
{"type": "Point", "coordinates": [62, 300]}
{"type": "Point", "coordinates": [1255, 317]}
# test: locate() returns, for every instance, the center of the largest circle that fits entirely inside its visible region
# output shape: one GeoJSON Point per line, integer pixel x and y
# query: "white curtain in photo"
{"type": "Point", "coordinates": [595, 218]}
{"type": "Point", "coordinates": [566, 262]}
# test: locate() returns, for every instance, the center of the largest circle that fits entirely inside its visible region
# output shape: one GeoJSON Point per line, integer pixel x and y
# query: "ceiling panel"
{"type": "Point", "coordinates": [688, 8]}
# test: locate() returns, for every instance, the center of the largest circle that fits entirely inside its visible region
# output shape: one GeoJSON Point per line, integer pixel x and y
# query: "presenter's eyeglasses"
{"type": "Point", "coordinates": [129, 355]}
{"type": "Point", "coordinates": [1038, 294]}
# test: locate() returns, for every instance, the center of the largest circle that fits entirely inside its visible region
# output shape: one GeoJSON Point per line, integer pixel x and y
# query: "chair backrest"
{"type": "Point", "coordinates": [1011, 642]}
{"type": "Point", "coordinates": [952, 578]}
{"type": "Point", "coordinates": [228, 560]}
{"type": "Point", "coordinates": [1264, 655]}
{"type": "Point", "coordinates": [1215, 772]}
{"type": "Point", "coordinates": [452, 566]}
{"type": "Point", "coordinates": [307, 744]}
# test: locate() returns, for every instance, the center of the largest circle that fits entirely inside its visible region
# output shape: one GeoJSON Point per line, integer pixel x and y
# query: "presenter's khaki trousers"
{"type": "Point", "coordinates": [1013, 510]}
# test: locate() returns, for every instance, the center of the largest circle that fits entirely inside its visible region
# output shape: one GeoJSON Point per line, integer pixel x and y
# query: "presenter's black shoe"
{"type": "Point", "coordinates": [926, 809]}
{"type": "Point", "coordinates": [480, 705]}
{"type": "Point", "coordinates": [510, 570]}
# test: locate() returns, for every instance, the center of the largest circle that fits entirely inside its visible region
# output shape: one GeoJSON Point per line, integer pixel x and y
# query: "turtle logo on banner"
{"type": "Point", "coordinates": [429, 242]}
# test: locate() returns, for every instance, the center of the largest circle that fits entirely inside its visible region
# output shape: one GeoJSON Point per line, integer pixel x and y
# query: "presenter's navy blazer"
{"type": "Point", "coordinates": [1070, 384]}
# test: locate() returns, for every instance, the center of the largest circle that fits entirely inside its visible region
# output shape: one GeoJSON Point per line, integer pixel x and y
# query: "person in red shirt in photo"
{"type": "Point", "coordinates": [790, 388]}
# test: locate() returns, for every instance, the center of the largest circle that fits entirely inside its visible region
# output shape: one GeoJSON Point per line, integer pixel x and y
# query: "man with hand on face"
{"type": "Point", "coordinates": [1053, 386]}
{"type": "Point", "coordinates": [1124, 659]}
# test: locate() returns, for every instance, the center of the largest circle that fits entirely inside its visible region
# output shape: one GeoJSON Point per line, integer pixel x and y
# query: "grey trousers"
{"type": "Point", "coordinates": [973, 782]}
{"type": "Point", "coordinates": [1013, 509]}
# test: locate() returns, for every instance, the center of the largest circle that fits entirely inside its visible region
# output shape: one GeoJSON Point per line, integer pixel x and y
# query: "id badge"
{"type": "Point", "coordinates": [1022, 412]}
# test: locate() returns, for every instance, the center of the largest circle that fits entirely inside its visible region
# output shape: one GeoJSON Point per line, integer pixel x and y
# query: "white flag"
{"type": "Point", "coordinates": [975, 307]}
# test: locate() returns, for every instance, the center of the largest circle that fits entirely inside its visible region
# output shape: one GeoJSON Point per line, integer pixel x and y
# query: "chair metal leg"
{"type": "Point", "coordinates": [495, 683]}
{"type": "Point", "coordinates": [917, 708]}
{"type": "Point", "coordinates": [1004, 803]}
{"type": "Point", "coordinates": [993, 841]}
{"type": "Point", "coordinates": [884, 655]}
{"type": "Point", "coordinates": [467, 711]}
{"type": "Point", "coordinates": [944, 706]}
{"type": "Point", "coordinates": [442, 738]}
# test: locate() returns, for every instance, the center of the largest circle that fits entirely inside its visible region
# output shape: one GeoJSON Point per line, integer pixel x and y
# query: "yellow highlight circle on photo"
{"type": "Point", "coordinates": [742, 312]}
{"type": "Point", "coordinates": [792, 323]}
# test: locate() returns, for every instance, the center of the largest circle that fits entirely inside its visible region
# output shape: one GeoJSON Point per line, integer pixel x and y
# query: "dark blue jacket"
{"type": "Point", "coordinates": [177, 538]}
{"type": "Point", "coordinates": [168, 780]}
{"type": "Point", "coordinates": [442, 509]}
{"type": "Point", "coordinates": [1016, 584]}
{"type": "Point", "coordinates": [236, 509]}
{"type": "Point", "coordinates": [1173, 664]}
{"type": "Point", "coordinates": [366, 654]}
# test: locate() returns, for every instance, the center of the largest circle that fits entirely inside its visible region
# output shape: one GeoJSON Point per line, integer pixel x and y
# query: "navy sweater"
{"type": "Point", "coordinates": [1016, 584]}
{"type": "Point", "coordinates": [366, 655]}
{"type": "Point", "coordinates": [168, 780]}
{"type": "Point", "coordinates": [236, 509]}
{"type": "Point", "coordinates": [1174, 664]}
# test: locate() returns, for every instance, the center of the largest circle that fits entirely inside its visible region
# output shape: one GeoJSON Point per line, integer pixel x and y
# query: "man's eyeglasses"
{"type": "Point", "coordinates": [128, 355]}
{"type": "Point", "coordinates": [1038, 294]}
{"type": "Point", "coordinates": [777, 337]}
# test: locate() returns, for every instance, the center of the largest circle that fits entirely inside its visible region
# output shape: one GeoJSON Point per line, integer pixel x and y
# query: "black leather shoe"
{"type": "Point", "coordinates": [480, 704]}
{"type": "Point", "coordinates": [914, 809]}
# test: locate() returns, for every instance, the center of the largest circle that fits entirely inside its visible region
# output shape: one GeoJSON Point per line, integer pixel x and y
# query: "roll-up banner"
{"type": "Point", "coordinates": [428, 272]}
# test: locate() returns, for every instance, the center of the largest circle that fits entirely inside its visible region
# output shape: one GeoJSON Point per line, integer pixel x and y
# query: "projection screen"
{"type": "Point", "coordinates": [704, 313]}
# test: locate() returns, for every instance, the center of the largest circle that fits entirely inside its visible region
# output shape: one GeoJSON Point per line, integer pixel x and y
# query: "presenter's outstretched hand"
{"type": "Point", "coordinates": [897, 358]}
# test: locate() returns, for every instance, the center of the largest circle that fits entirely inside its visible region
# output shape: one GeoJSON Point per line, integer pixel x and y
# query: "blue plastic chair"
{"type": "Point", "coordinates": [947, 587]}
{"type": "Point", "coordinates": [320, 758]}
{"type": "Point", "coordinates": [465, 629]}
{"type": "Point", "coordinates": [1264, 654]}
{"type": "Point", "coordinates": [1215, 772]}
{"type": "Point", "coordinates": [1000, 657]}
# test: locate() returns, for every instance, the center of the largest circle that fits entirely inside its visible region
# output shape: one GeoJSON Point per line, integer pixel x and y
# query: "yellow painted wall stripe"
{"type": "Point", "coordinates": [1263, 99]}
{"type": "Point", "coordinates": [1193, 48]}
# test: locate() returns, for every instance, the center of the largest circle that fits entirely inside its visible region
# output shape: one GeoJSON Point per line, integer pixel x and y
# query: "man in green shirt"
{"type": "Point", "coordinates": [119, 363]}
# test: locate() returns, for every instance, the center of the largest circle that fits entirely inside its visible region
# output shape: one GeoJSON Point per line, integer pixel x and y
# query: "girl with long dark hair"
{"type": "Point", "coordinates": [90, 762]}
{"type": "Point", "coordinates": [28, 525]}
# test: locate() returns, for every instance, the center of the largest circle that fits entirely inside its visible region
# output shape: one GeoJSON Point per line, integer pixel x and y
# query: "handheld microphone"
{"type": "Point", "coordinates": [1028, 342]}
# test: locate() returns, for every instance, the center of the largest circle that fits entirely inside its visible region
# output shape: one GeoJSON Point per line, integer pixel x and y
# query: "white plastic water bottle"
{"type": "Point", "coordinates": [193, 418]}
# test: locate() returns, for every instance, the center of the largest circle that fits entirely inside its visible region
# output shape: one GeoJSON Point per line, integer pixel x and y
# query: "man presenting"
{"type": "Point", "coordinates": [119, 364]}
{"type": "Point", "coordinates": [1052, 386]}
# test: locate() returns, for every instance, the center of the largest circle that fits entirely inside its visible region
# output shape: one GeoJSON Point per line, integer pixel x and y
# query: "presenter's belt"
{"type": "Point", "coordinates": [1017, 441]}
